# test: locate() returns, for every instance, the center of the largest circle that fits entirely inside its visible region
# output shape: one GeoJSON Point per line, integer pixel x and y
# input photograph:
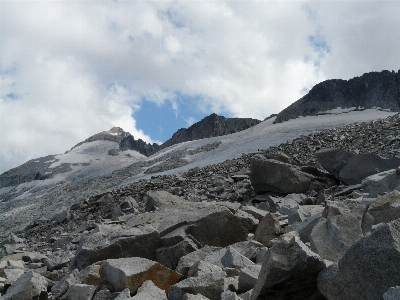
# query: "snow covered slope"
{"type": "Point", "coordinates": [92, 168]}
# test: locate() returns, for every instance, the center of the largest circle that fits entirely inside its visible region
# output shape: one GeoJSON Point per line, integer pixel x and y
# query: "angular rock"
{"type": "Point", "coordinates": [203, 267]}
{"type": "Point", "coordinates": [332, 237]}
{"type": "Point", "coordinates": [149, 291]}
{"type": "Point", "coordinates": [248, 277]}
{"type": "Point", "coordinates": [169, 256]}
{"type": "Point", "coordinates": [351, 168]}
{"type": "Point", "coordinates": [250, 249]}
{"type": "Point", "coordinates": [305, 227]}
{"type": "Point", "coordinates": [194, 297]}
{"type": "Point", "coordinates": [11, 275]}
{"type": "Point", "coordinates": [210, 285]}
{"type": "Point", "coordinates": [268, 175]}
{"type": "Point", "coordinates": [27, 286]}
{"type": "Point", "coordinates": [228, 258]}
{"type": "Point", "coordinates": [114, 241]}
{"type": "Point", "coordinates": [267, 230]}
{"type": "Point", "coordinates": [304, 212]}
{"type": "Point", "coordinates": [289, 271]}
{"type": "Point", "coordinates": [185, 262]}
{"type": "Point", "coordinates": [228, 295]}
{"type": "Point", "coordinates": [220, 229]}
{"type": "Point", "coordinates": [91, 276]}
{"type": "Point", "coordinates": [125, 294]}
{"type": "Point", "coordinates": [65, 283]}
{"type": "Point", "coordinates": [80, 292]}
{"type": "Point", "coordinates": [386, 208]}
{"type": "Point", "coordinates": [161, 199]}
{"type": "Point", "coordinates": [368, 269]}
{"type": "Point", "coordinates": [381, 183]}
{"type": "Point", "coordinates": [255, 212]}
{"type": "Point", "coordinates": [130, 273]}
{"type": "Point", "coordinates": [56, 262]}
{"type": "Point", "coordinates": [392, 294]}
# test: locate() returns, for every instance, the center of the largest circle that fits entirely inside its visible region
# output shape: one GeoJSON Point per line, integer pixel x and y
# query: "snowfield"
{"type": "Point", "coordinates": [262, 136]}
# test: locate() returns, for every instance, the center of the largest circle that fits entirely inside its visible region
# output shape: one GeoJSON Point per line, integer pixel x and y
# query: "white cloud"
{"type": "Point", "coordinates": [70, 69]}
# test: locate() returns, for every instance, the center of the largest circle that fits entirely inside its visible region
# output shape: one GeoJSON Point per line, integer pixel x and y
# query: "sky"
{"type": "Point", "coordinates": [70, 69]}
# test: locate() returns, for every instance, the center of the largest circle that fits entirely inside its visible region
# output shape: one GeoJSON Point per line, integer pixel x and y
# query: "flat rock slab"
{"type": "Point", "coordinates": [115, 241]}
{"type": "Point", "coordinates": [368, 269]}
{"type": "Point", "coordinates": [132, 272]}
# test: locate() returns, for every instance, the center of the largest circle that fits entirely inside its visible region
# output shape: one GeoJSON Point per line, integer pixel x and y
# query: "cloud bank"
{"type": "Point", "coordinates": [70, 69]}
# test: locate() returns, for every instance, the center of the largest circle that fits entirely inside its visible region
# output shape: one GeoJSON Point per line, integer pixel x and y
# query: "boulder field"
{"type": "Point", "coordinates": [314, 218]}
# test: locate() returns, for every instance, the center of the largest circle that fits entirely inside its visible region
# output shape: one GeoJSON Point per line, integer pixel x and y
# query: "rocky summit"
{"type": "Point", "coordinates": [315, 215]}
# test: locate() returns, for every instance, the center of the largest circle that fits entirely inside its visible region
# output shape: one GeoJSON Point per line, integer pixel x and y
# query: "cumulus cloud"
{"type": "Point", "coordinates": [70, 69]}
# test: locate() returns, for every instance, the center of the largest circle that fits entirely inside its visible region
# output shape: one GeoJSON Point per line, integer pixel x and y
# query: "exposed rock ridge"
{"type": "Point", "coordinates": [210, 126]}
{"type": "Point", "coordinates": [374, 89]}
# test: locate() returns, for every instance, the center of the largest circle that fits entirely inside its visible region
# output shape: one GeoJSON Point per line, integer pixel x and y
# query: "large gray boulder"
{"type": "Point", "coordinates": [289, 271]}
{"type": "Point", "coordinates": [269, 175]}
{"type": "Point", "coordinates": [381, 183]}
{"type": "Point", "coordinates": [350, 168]}
{"type": "Point", "coordinates": [130, 273]}
{"type": "Point", "coordinates": [220, 229]}
{"type": "Point", "coordinates": [27, 286]}
{"type": "Point", "coordinates": [337, 230]}
{"type": "Point", "coordinates": [368, 269]}
{"type": "Point", "coordinates": [116, 241]}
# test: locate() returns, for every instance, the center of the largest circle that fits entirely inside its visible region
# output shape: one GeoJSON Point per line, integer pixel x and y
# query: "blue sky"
{"type": "Point", "coordinates": [71, 69]}
{"type": "Point", "coordinates": [162, 121]}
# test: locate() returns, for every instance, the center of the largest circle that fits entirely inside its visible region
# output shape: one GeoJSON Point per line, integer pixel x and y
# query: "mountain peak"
{"type": "Point", "coordinates": [116, 131]}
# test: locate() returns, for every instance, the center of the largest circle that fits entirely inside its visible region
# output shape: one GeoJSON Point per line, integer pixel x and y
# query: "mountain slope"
{"type": "Point", "coordinates": [22, 204]}
{"type": "Point", "coordinates": [374, 89]}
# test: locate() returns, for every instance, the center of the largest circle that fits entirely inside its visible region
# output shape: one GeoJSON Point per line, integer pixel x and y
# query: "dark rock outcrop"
{"type": "Point", "coordinates": [210, 126]}
{"type": "Point", "coordinates": [374, 89]}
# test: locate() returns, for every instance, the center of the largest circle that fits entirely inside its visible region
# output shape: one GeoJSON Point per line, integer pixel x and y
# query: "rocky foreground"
{"type": "Point", "coordinates": [314, 218]}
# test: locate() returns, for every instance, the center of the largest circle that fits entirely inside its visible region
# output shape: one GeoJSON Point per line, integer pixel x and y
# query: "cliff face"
{"type": "Point", "coordinates": [210, 126]}
{"type": "Point", "coordinates": [374, 89]}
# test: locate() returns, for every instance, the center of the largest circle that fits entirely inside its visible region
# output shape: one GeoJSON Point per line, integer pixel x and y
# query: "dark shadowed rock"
{"type": "Point", "coordinates": [350, 168]}
{"type": "Point", "coordinates": [268, 175]}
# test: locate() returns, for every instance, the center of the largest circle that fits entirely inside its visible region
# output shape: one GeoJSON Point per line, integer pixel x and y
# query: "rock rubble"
{"type": "Point", "coordinates": [214, 233]}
